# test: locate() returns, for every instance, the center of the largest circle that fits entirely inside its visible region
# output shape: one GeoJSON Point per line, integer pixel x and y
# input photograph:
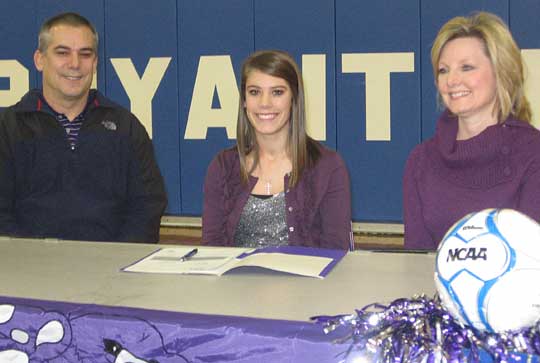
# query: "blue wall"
{"type": "Point", "coordinates": [334, 40]}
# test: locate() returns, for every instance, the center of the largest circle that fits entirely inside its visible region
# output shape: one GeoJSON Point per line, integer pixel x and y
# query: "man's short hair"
{"type": "Point", "coordinates": [70, 19]}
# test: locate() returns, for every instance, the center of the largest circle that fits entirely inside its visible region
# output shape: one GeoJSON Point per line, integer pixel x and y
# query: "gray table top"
{"type": "Point", "coordinates": [89, 272]}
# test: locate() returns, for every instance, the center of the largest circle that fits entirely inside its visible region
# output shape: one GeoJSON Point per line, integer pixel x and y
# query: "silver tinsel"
{"type": "Point", "coordinates": [421, 330]}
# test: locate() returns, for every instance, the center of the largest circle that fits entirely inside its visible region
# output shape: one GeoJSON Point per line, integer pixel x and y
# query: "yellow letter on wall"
{"type": "Point", "coordinates": [214, 73]}
{"type": "Point", "coordinates": [314, 75]}
{"type": "Point", "coordinates": [531, 58]}
{"type": "Point", "coordinates": [94, 81]}
{"type": "Point", "coordinates": [141, 91]}
{"type": "Point", "coordinates": [377, 67]}
{"type": "Point", "coordinates": [18, 79]}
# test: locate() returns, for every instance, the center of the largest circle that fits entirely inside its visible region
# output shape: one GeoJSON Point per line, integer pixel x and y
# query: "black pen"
{"type": "Point", "coordinates": [188, 255]}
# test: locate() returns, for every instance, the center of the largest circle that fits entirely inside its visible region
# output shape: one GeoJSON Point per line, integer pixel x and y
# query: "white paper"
{"type": "Point", "coordinates": [168, 260]}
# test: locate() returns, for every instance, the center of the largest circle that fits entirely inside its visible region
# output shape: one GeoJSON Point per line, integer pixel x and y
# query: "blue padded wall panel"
{"type": "Point", "coordinates": [18, 33]}
{"type": "Point", "coordinates": [207, 28]}
{"type": "Point", "coordinates": [376, 167]}
{"type": "Point", "coordinates": [150, 31]}
{"type": "Point", "coordinates": [523, 23]}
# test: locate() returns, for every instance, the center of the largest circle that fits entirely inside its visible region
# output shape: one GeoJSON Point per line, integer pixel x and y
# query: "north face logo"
{"type": "Point", "coordinates": [109, 125]}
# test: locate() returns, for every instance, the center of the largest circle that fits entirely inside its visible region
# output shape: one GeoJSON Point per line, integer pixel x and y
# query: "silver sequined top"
{"type": "Point", "coordinates": [262, 223]}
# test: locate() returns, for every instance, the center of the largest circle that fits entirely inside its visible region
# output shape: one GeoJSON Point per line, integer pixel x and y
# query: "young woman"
{"type": "Point", "coordinates": [485, 153]}
{"type": "Point", "coordinates": [277, 186]}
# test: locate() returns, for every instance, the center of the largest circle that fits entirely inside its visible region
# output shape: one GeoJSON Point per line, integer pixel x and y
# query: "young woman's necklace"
{"type": "Point", "coordinates": [268, 187]}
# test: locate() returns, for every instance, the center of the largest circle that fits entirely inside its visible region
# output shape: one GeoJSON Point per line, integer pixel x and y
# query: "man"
{"type": "Point", "coordinates": [74, 165]}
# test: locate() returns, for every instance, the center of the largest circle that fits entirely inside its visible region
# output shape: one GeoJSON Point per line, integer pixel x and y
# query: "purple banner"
{"type": "Point", "coordinates": [55, 332]}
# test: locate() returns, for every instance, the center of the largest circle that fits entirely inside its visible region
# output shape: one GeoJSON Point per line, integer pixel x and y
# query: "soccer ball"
{"type": "Point", "coordinates": [487, 270]}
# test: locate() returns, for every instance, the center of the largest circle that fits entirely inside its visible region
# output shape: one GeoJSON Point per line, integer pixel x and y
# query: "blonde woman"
{"type": "Point", "coordinates": [485, 153]}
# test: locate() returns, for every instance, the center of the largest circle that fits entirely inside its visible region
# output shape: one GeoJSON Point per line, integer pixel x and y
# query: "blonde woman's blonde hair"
{"type": "Point", "coordinates": [504, 54]}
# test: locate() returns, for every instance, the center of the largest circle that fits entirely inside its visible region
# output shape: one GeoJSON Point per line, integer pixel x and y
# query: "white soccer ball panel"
{"type": "Point", "coordinates": [475, 225]}
{"type": "Point", "coordinates": [467, 288]}
{"type": "Point", "coordinates": [513, 302]}
{"type": "Point", "coordinates": [521, 232]}
{"type": "Point", "coordinates": [447, 300]}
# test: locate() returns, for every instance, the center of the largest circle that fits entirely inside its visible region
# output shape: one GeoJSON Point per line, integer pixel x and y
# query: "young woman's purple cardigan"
{"type": "Point", "coordinates": [318, 207]}
{"type": "Point", "coordinates": [447, 179]}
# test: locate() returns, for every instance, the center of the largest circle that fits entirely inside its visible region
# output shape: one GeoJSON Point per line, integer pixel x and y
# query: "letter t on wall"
{"type": "Point", "coordinates": [377, 67]}
{"type": "Point", "coordinates": [531, 57]}
{"type": "Point", "coordinates": [314, 75]}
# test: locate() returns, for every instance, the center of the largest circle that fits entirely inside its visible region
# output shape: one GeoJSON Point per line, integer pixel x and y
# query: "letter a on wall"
{"type": "Point", "coordinates": [214, 73]}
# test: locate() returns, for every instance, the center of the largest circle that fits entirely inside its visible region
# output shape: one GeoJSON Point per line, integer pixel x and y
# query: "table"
{"type": "Point", "coordinates": [88, 273]}
{"type": "Point", "coordinates": [56, 292]}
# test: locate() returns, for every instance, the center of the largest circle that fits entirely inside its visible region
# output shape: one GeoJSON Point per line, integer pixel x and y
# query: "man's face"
{"type": "Point", "coordinates": [68, 64]}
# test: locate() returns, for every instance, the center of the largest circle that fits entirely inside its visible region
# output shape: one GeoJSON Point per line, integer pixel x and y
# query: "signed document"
{"type": "Point", "coordinates": [303, 261]}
